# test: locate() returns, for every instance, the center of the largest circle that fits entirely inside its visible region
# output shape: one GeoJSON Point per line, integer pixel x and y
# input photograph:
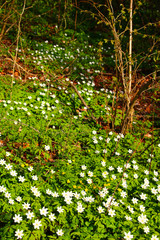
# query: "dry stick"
{"type": "Point", "coordinates": [146, 56]}
{"type": "Point", "coordinates": [59, 69]}
{"type": "Point", "coordinates": [143, 78]}
{"type": "Point", "coordinates": [82, 100]}
{"type": "Point", "coordinates": [79, 95]}
{"type": "Point", "coordinates": [5, 20]}
{"type": "Point", "coordinates": [3, 4]}
{"type": "Point", "coordinates": [19, 66]}
{"type": "Point", "coordinates": [118, 47]}
{"type": "Point", "coordinates": [140, 154]}
{"type": "Point", "coordinates": [18, 35]}
{"type": "Point", "coordinates": [10, 27]}
{"type": "Point", "coordinates": [9, 59]}
{"type": "Point", "coordinates": [148, 24]}
{"type": "Point", "coordinates": [118, 51]}
{"type": "Point", "coordinates": [6, 31]}
{"type": "Point", "coordinates": [142, 89]}
{"type": "Point", "coordinates": [20, 123]}
{"type": "Point", "coordinates": [138, 93]}
{"type": "Point", "coordinates": [37, 16]}
{"type": "Point", "coordinates": [8, 16]}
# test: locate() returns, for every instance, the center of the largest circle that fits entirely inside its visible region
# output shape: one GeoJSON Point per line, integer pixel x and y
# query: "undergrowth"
{"type": "Point", "coordinates": [64, 173]}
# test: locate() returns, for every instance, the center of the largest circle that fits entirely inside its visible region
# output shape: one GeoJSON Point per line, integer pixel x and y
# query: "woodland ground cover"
{"type": "Point", "coordinates": [65, 175]}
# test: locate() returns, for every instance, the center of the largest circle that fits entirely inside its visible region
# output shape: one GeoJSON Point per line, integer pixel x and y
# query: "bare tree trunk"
{"type": "Point", "coordinates": [130, 63]}
{"type": "Point", "coordinates": [130, 47]}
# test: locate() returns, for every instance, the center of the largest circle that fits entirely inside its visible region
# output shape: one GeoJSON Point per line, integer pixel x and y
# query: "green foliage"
{"type": "Point", "coordinates": [59, 170]}
{"type": "Point", "coordinates": [63, 173]}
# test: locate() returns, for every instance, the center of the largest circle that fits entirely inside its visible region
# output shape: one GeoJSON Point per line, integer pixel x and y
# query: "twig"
{"type": "Point", "coordinates": [9, 59]}
{"type": "Point", "coordinates": [142, 80]}
{"type": "Point", "coordinates": [21, 124]}
{"type": "Point", "coordinates": [18, 35]}
{"type": "Point", "coordinates": [82, 100]}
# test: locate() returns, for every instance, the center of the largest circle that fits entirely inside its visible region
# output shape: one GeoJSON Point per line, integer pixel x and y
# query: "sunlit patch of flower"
{"type": "Point", "coordinates": [19, 234]}
{"type": "Point", "coordinates": [128, 218]}
{"type": "Point", "coordinates": [142, 219]}
{"type": "Point", "coordinates": [60, 232]}
{"type": "Point", "coordinates": [47, 147]}
{"type": "Point", "coordinates": [26, 206]}
{"type": "Point", "coordinates": [84, 167]}
{"type": "Point", "coordinates": [30, 215]}
{"type": "Point", "coordinates": [111, 212]}
{"type": "Point", "coordinates": [37, 224]}
{"type": "Point", "coordinates": [146, 229]}
{"type": "Point", "coordinates": [104, 174]}
{"type": "Point", "coordinates": [17, 218]}
{"type": "Point", "coordinates": [128, 236]}
{"type": "Point", "coordinates": [100, 209]}
{"type": "Point", "coordinates": [60, 209]}
{"type": "Point", "coordinates": [154, 237]}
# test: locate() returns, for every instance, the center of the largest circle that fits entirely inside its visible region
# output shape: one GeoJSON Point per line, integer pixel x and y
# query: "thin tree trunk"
{"type": "Point", "coordinates": [130, 47]}
{"type": "Point", "coordinates": [130, 120]}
